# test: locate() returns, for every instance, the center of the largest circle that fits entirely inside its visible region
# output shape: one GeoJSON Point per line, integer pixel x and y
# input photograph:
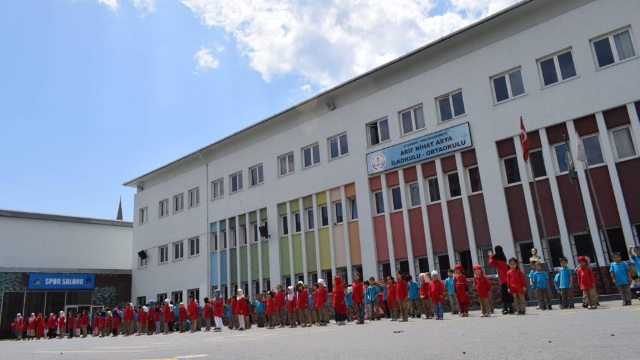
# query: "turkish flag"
{"type": "Point", "coordinates": [524, 141]}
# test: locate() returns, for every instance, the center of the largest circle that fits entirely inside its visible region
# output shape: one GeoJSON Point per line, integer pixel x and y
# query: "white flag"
{"type": "Point", "coordinates": [581, 155]}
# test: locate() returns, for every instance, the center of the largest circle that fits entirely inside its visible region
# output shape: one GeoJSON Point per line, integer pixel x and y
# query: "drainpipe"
{"type": "Point", "coordinates": [206, 166]}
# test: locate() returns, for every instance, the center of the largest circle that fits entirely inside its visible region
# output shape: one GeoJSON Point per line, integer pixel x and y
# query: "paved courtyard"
{"type": "Point", "coordinates": [569, 334]}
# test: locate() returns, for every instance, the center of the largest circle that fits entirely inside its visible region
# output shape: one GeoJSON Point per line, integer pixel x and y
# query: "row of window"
{"type": "Point", "coordinates": [432, 188]}
{"type": "Point", "coordinates": [322, 217]}
{"type": "Point", "coordinates": [178, 205]}
{"type": "Point", "coordinates": [622, 143]}
{"type": "Point", "coordinates": [234, 236]}
{"type": "Point", "coordinates": [178, 252]}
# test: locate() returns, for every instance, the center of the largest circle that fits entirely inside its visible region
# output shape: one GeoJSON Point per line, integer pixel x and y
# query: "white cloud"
{"type": "Point", "coordinates": [145, 7]}
{"type": "Point", "coordinates": [205, 60]}
{"type": "Point", "coordinates": [328, 41]}
{"type": "Point", "coordinates": [111, 4]}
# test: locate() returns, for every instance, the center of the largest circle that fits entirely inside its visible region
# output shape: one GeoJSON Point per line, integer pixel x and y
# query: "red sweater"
{"type": "Point", "coordinates": [391, 295]}
{"type": "Point", "coordinates": [193, 310]}
{"type": "Point", "coordinates": [402, 291]}
{"type": "Point", "coordinates": [271, 306]}
{"type": "Point", "coordinates": [142, 317]}
{"type": "Point", "coordinates": [436, 287]}
{"type": "Point", "coordinates": [358, 292]}
{"type": "Point", "coordinates": [483, 286]}
{"type": "Point", "coordinates": [322, 296]}
{"type": "Point", "coordinates": [241, 306]}
{"type": "Point", "coordinates": [586, 280]}
{"type": "Point", "coordinates": [461, 289]}
{"type": "Point", "coordinates": [515, 281]}
{"type": "Point", "coordinates": [303, 299]}
{"type": "Point", "coordinates": [501, 267]}
{"type": "Point", "coordinates": [128, 314]}
{"type": "Point", "coordinates": [218, 308]}
{"type": "Point", "coordinates": [62, 321]}
{"type": "Point", "coordinates": [280, 300]}
{"type": "Point", "coordinates": [72, 321]}
{"type": "Point", "coordinates": [51, 323]}
{"type": "Point", "coordinates": [182, 313]}
{"type": "Point", "coordinates": [206, 311]}
{"type": "Point", "coordinates": [424, 291]}
{"type": "Point", "coordinates": [85, 320]}
{"type": "Point", "coordinates": [166, 313]}
{"type": "Point", "coordinates": [116, 322]}
{"type": "Point", "coordinates": [291, 306]}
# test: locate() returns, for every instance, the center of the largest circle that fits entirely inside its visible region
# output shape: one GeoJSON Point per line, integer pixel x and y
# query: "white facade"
{"type": "Point", "coordinates": [513, 39]}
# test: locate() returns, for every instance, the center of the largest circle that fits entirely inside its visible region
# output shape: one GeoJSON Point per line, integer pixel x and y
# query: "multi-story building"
{"type": "Point", "coordinates": [416, 164]}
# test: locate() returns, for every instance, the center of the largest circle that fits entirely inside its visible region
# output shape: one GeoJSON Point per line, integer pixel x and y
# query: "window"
{"type": "Point", "coordinates": [164, 207]}
{"type": "Point", "coordinates": [256, 232]}
{"type": "Point", "coordinates": [310, 220]}
{"type": "Point", "coordinates": [143, 262]}
{"type": "Point", "coordinates": [144, 215]}
{"type": "Point", "coordinates": [338, 146]}
{"type": "Point", "coordinates": [178, 250]}
{"type": "Point", "coordinates": [378, 131]}
{"type": "Point", "coordinates": [338, 211]}
{"type": "Point", "coordinates": [396, 199]}
{"type": "Point", "coordinates": [161, 297]}
{"type": "Point", "coordinates": [453, 181]}
{"type": "Point", "coordinates": [235, 182]}
{"type": "Point", "coordinates": [194, 197]}
{"type": "Point", "coordinates": [536, 162]}
{"type": "Point", "coordinates": [194, 246]}
{"type": "Point", "coordinates": [284, 225]}
{"type": "Point", "coordinates": [561, 158]}
{"type": "Point", "coordinates": [217, 188]}
{"type": "Point", "coordinates": [224, 239]}
{"type": "Point", "coordinates": [176, 296]}
{"type": "Point", "coordinates": [507, 86]}
{"type": "Point", "coordinates": [242, 235]}
{"type": "Point", "coordinates": [592, 148]}
{"type": "Point", "coordinates": [234, 238]}
{"type": "Point", "coordinates": [311, 156]}
{"type": "Point", "coordinates": [475, 185]}
{"type": "Point", "coordinates": [450, 106]}
{"type": "Point", "coordinates": [379, 202]}
{"type": "Point", "coordinates": [412, 120]}
{"type": "Point", "coordinates": [141, 301]}
{"type": "Point", "coordinates": [557, 68]}
{"type": "Point", "coordinates": [324, 216]}
{"type": "Point", "coordinates": [353, 208]}
{"type": "Point", "coordinates": [414, 194]}
{"type": "Point", "coordinates": [163, 254]}
{"type": "Point", "coordinates": [215, 241]}
{"type": "Point", "coordinates": [511, 170]}
{"type": "Point", "coordinates": [194, 293]}
{"type": "Point", "coordinates": [613, 48]}
{"type": "Point", "coordinates": [178, 203]}
{"type": "Point", "coordinates": [434, 189]}
{"type": "Point", "coordinates": [623, 142]}
{"type": "Point", "coordinates": [286, 164]}
{"type": "Point", "coordinates": [297, 223]}
{"type": "Point", "coordinates": [256, 176]}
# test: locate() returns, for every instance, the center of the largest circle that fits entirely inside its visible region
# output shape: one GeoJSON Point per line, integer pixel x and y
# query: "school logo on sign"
{"type": "Point", "coordinates": [378, 161]}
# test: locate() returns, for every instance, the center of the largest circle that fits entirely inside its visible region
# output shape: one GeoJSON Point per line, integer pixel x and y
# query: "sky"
{"type": "Point", "coordinates": [94, 93]}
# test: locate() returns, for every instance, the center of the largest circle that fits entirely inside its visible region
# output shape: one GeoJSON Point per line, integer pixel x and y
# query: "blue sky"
{"type": "Point", "coordinates": [96, 92]}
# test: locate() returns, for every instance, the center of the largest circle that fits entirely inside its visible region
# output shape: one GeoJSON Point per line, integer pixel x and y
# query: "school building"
{"type": "Point", "coordinates": [51, 263]}
{"type": "Point", "coordinates": [416, 165]}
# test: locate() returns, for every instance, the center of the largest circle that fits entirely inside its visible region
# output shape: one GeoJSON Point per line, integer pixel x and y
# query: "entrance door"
{"type": "Point", "coordinates": [82, 308]}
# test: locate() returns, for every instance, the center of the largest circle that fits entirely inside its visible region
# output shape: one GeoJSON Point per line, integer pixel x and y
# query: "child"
{"type": "Point", "coordinates": [72, 323]}
{"type": "Point", "coordinates": [450, 284]}
{"type": "Point", "coordinates": [206, 314]}
{"type": "Point", "coordinates": [271, 311]}
{"type": "Point", "coordinates": [303, 305]}
{"type": "Point", "coordinates": [565, 284]}
{"type": "Point", "coordinates": [338, 300]}
{"type": "Point", "coordinates": [182, 317]}
{"type": "Point", "coordinates": [241, 309]}
{"type": "Point", "coordinates": [18, 326]}
{"type": "Point", "coordinates": [425, 295]}
{"type": "Point", "coordinates": [280, 304]}
{"type": "Point", "coordinates": [217, 310]}
{"type": "Point", "coordinates": [348, 300]}
{"type": "Point", "coordinates": [39, 326]}
{"type": "Point", "coordinates": [517, 286]}
{"type": "Point", "coordinates": [51, 326]}
{"type": "Point", "coordinates": [313, 305]}
{"type": "Point", "coordinates": [192, 313]}
{"type": "Point", "coordinates": [621, 277]}
{"type": "Point", "coordinates": [358, 297]}
{"type": "Point", "coordinates": [461, 290]}
{"type": "Point", "coordinates": [231, 312]}
{"type": "Point", "coordinates": [291, 307]}
{"type": "Point", "coordinates": [436, 288]}
{"type": "Point", "coordinates": [634, 255]}
{"type": "Point", "coordinates": [483, 287]}
{"type": "Point", "coordinates": [587, 283]}
{"type": "Point", "coordinates": [635, 286]}
{"type": "Point", "coordinates": [402, 292]}
{"type": "Point", "coordinates": [323, 311]}
{"type": "Point", "coordinates": [142, 321]}
{"type": "Point", "coordinates": [540, 282]}
{"type": "Point", "coordinates": [31, 326]}
{"type": "Point", "coordinates": [414, 297]}
{"type": "Point", "coordinates": [371, 299]}
{"type": "Point", "coordinates": [499, 260]}
{"type": "Point", "coordinates": [391, 299]}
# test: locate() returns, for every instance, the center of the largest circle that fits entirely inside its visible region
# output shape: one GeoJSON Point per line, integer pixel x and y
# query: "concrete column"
{"type": "Point", "coordinates": [365, 228]}
{"type": "Point", "coordinates": [445, 212]}
{"type": "Point", "coordinates": [528, 199]}
{"type": "Point", "coordinates": [387, 222]}
{"type": "Point", "coordinates": [237, 239]}
{"type": "Point", "coordinates": [405, 218]}
{"type": "Point", "coordinates": [259, 221]}
{"type": "Point", "coordinates": [345, 226]}
{"type": "Point", "coordinates": [290, 240]}
{"type": "Point", "coordinates": [462, 177]}
{"type": "Point", "coordinates": [425, 217]}
{"type": "Point", "coordinates": [316, 234]}
{"type": "Point", "coordinates": [331, 243]}
{"type": "Point", "coordinates": [635, 124]}
{"type": "Point", "coordinates": [607, 152]}
{"type": "Point", "coordinates": [249, 230]}
{"type": "Point", "coordinates": [275, 275]}
{"type": "Point", "coordinates": [594, 229]}
{"type": "Point", "coordinates": [305, 270]}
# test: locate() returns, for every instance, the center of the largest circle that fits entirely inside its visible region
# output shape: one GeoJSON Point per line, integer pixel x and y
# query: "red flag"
{"type": "Point", "coordinates": [524, 141]}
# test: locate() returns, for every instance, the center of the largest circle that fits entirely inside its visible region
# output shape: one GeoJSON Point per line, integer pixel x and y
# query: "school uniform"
{"type": "Point", "coordinates": [450, 285]}
{"type": "Point", "coordinates": [280, 308]}
{"type": "Point", "coordinates": [587, 282]}
{"type": "Point", "coordinates": [391, 302]}
{"type": "Point", "coordinates": [402, 292]}
{"type": "Point", "coordinates": [357, 289]}
{"type": "Point", "coordinates": [461, 292]}
{"type": "Point", "coordinates": [620, 271]}
{"type": "Point", "coordinates": [564, 286]}
{"type": "Point", "coordinates": [192, 310]}
{"type": "Point", "coordinates": [436, 287]}
{"type": "Point", "coordinates": [516, 284]}
{"type": "Point", "coordinates": [483, 288]}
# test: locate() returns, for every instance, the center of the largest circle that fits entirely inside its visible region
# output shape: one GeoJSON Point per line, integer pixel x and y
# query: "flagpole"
{"type": "Point", "coordinates": [540, 215]}
{"type": "Point", "coordinates": [595, 199]}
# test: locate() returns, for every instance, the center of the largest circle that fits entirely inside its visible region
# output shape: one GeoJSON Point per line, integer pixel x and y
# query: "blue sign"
{"type": "Point", "coordinates": [61, 281]}
{"type": "Point", "coordinates": [420, 149]}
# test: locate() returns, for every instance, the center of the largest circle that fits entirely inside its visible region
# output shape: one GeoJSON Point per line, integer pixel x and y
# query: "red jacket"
{"type": "Point", "coordinates": [315, 302]}
{"type": "Point", "coordinates": [402, 291]}
{"type": "Point", "coordinates": [167, 313]}
{"type": "Point", "coordinates": [436, 287]}
{"type": "Point", "coordinates": [303, 299]}
{"type": "Point", "coordinates": [182, 313]}
{"type": "Point", "coordinates": [101, 322]}
{"type": "Point", "coordinates": [206, 311]}
{"type": "Point", "coordinates": [116, 322]}
{"type": "Point", "coordinates": [271, 306]}
{"type": "Point", "coordinates": [391, 295]}
{"type": "Point", "coordinates": [322, 296]}
{"type": "Point", "coordinates": [142, 317]}
{"type": "Point", "coordinates": [291, 306]}
{"type": "Point", "coordinates": [461, 289]}
{"type": "Point", "coordinates": [241, 306]}
{"type": "Point", "coordinates": [515, 281]}
{"type": "Point", "coordinates": [51, 323]}
{"type": "Point", "coordinates": [39, 326]}
{"type": "Point", "coordinates": [62, 321]}
{"type": "Point", "coordinates": [72, 321]}
{"type": "Point", "coordinates": [96, 321]}
{"type": "Point", "coordinates": [425, 293]}
{"type": "Point", "coordinates": [357, 295]}
{"type": "Point", "coordinates": [193, 310]}
{"type": "Point", "coordinates": [586, 280]}
{"type": "Point", "coordinates": [128, 314]}
{"type": "Point", "coordinates": [85, 320]}
{"type": "Point", "coordinates": [501, 267]}
{"type": "Point", "coordinates": [218, 308]}
{"type": "Point", "coordinates": [483, 286]}
{"type": "Point", "coordinates": [280, 300]}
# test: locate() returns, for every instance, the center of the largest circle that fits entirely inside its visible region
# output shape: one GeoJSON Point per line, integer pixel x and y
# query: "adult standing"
{"type": "Point", "coordinates": [499, 260]}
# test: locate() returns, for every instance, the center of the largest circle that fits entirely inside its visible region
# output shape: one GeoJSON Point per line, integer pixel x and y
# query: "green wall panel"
{"type": "Point", "coordinates": [255, 269]}
{"type": "Point", "coordinates": [243, 264]}
{"type": "Point", "coordinates": [242, 219]}
{"type": "Point", "coordinates": [311, 252]}
{"type": "Point", "coordinates": [282, 209]}
{"type": "Point", "coordinates": [233, 277]}
{"type": "Point", "coordinates": [284, 256]}
{"type": "Point", "coordinates": [295, 206]}
{"type": "Point", "coordinates": [307, 202]}
{"type": "Point", "coordinates": [297, 254]}
{"type": "Point", "coordinates": [321, 198]}
{"type": "Point", "coordinates": [265, 259]}
{"type": "Point", "coordinates": [325, 249]}
{"type": "Point", "coordinates": [263, 213]}
{"type": "Point", "coordinates": [252, 216]}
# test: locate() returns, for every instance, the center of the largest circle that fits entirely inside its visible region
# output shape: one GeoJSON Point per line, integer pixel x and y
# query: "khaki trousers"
{"type": "Point", "coordinates": [625, 292]}
{"type": "Point", "coordinates": [402, 309]}
{"type": "Point", "coordinates": [590, 296]}
{"type": "Point", "coordinates": [567, 297]}
{"type": "Point", "coordinates": [518, 302]}
{"type": "Point", "coordinates": [485, 306]}
{"type": "Point", "coordinates": [427, 305]}
{"type": "Point", "coordinates": [543, 300]}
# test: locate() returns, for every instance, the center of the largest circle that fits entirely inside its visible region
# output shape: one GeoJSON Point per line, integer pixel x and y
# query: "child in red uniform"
{"type": "Point", "coordinates": [402, 292]}
{"type": "Point", "coordinates": [115, 322]}
{"type": "Point", "coordinates": [84, 323]}
{"type": "Point", "coordinates": [271, 311]}
{"type": "Point", "coordinates": [39, 326]}
{"type": "Point", "coordinates": [323, 311]}
{"type": "Point", "coordinates": [291, 307]}
{"type": "Point", "coordinates": [241, 308]}
{"type": "Point", "coordinates": [182, 317]}
{"type": "Point", "coordinates": [72, 321]}
{"type": "Point", "coordinates": [303, 305]}
{"type": "Point", "coordinates": [167, 316]}
{"type": "Point", "coordinates": [391, 299]}
{"type": "Point", "coordinates": [461, 290]}
{"type": "Point", "coordinates": [357, 297]}
{"type": "Point", "coordinates": [436, 288]}
{"type": "Point", "coordinates": [517, 286]}
{"type": "Point", "coordinates": [206, 314]}
{"type": "Point", "coordinates": [339, 305]}
{"type": "Point", "coordinates": [483, 287]}
{"type": "Point", "coordinates": [587, 283]}
{"type": "Point", "coordinates": [151, 318]}
{"type": "Point", "coordinates": [218, 307]}
{"type": "Point", "coordinates": [314, 305]}
{"type": "Point", "coordinates": [51, 326]}
{"type": "Point", "coordinates": [280, 305]}
{"type": "Point", "coordinates": [19, 324]}
{"type": "Point", "coordinates": [96, 323]}
{"type": "Point", "coordinates": [192, 312]}
{"type": "Point", "coordinates": [142, 320]}
{"type": "Point", "coordinates": [425, 296]}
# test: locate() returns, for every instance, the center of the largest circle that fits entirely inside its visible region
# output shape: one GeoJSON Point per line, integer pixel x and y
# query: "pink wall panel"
{"type": "Point", "coordinates": [397, 231]}
{"type": "Point", "coordinates": [571, 204]}
{"type": "Point", "coordinates": [629, 174]}
{"type": "Point", "coordinates": [518, 218]}
{"type": "Point", "coordinates": [392, 179]}
{"type": "Point", "coordinates": [410, 174]}
{"type": "Point", "coordinates": [602, 183]}
{"type": "Point", "coordinates": [548, 211]}
{"type": "Point", "coordinates": [375, 183]}
{"type": "Point", "coordinates": [416, 226]}
{"type": "Point", "coordinates": [458, 225]}
{"type": "Point", "coordinates": [380, 232]}
{"type": "Point", "coordinates": [479, 219]}
{"type": "Point", "coordinates": [436, 227]}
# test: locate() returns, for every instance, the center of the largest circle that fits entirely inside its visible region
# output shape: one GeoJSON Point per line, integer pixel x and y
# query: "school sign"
{"type": "Point", "coordinates": [420, 149]}
{"type": "Point", "coordinates": [44, 281]}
